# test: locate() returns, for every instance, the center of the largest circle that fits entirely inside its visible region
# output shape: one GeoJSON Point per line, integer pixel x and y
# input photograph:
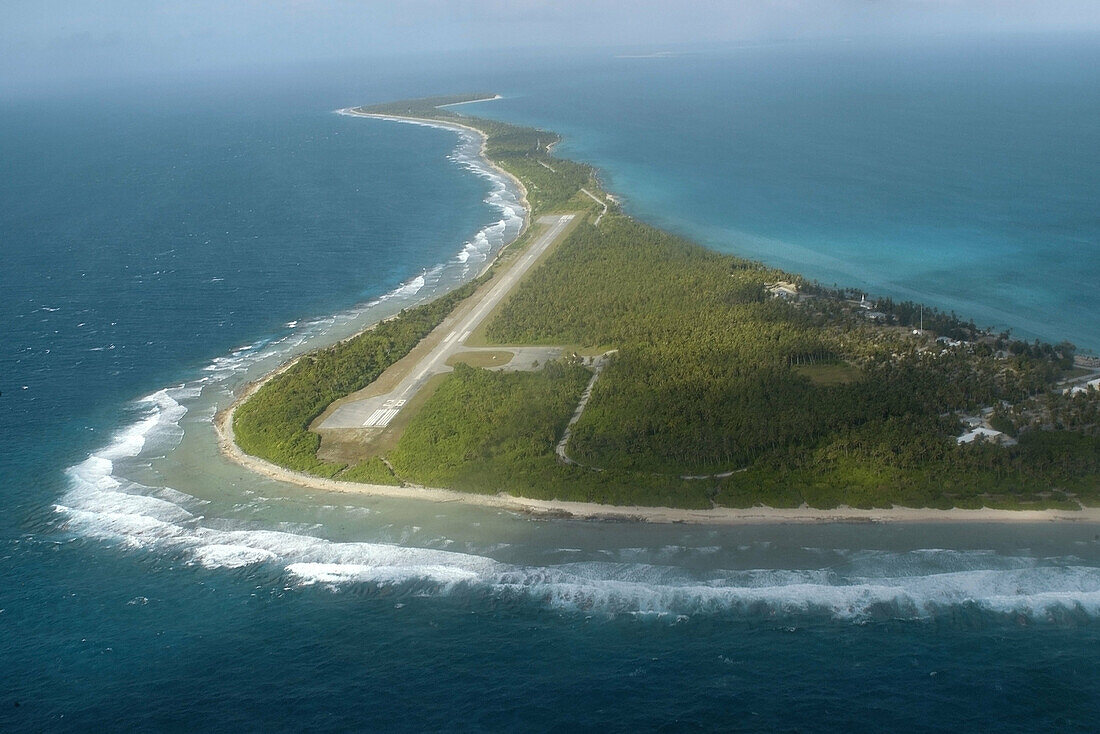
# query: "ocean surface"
{"type": "Point", "coordinates": [162, 245]}
{"type": "Point", "coordinates": [960, 174]}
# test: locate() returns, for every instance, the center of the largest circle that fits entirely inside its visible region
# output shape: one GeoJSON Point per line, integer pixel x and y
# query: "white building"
{"type": "Point", "coordinates": [1094, 384]}
{"type": "Point", "coordinates": [783, 289]}
{"type": "Point", "coordinates": [985, 434]}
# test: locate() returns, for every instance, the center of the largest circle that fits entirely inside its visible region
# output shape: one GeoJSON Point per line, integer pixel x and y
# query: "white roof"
{"type": "Point", "coordinates": [1095, 384]}
{"type": "Point", "coordinates": [981, 431]}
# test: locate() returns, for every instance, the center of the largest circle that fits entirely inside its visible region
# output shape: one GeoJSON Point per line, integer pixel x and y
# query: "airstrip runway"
{"type": "Point", "coordinates": [377, 411]}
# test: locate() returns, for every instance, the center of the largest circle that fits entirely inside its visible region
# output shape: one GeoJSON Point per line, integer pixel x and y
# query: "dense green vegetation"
{"type": "Point", "coordinates": [483, 431]}
{"type": "Point", "coordinates": [490, 432]}
{"type": "Point", "coordinates": [711, 376]}
{"type": "Point", "coordinates": [371, 471]}
{"type": "Point", "coordinates": [425, 106]}
{"type": "Point", "coordinates": [896, 462]}
{"type": "Point", "coordinates": [274, 423]}
{"type": "Point", "coordinates": [722, 391]}
{"type": "Point", "coordinates": [522, 151]}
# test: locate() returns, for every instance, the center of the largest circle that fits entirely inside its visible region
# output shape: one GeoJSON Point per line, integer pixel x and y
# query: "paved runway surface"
{"type": "Point", "coordinates": [378, 411]}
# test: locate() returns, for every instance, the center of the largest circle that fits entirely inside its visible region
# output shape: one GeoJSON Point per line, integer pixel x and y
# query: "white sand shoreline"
{"type": "Point", "coordinates": [562, 509]}
{"type": "Point", "coordinates": [448, 125]}
{"type": "Point", "coordinates": [223, 425]}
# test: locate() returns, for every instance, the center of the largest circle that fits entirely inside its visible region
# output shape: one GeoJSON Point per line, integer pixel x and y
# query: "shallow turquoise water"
{"type": "Point", "coordinates": [959, 174]}
{"type": "Point", "coordinates": [160, 249]}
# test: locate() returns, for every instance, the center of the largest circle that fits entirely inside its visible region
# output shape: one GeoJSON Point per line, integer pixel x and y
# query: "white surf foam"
{"type": "Point", "coordinates": [1033, 592]}
{"type": "Point", "coordinates": [336, 574]}
{"type": "Point", "coordinates": [989, 582]}
{"type": "Point", "coordinates": [102, 503]}
{"type": "Point", "coordinates": [503, 196]}
{"type": "Point", "coordinates": [411, 288]}
{"type": "Point", "coordinates": [230, 556]}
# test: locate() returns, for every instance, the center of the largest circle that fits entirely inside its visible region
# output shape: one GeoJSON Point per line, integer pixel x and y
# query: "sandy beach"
{"type": "Point", "coordinates": [623, 513]}
{"type": "Point", "coordinates": [223, 424]}
{"type": "Point", "coordinates": [448, 125]}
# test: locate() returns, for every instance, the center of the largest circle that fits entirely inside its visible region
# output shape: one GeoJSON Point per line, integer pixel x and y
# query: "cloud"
{"type": "Point", "coordinates": [58, 37]}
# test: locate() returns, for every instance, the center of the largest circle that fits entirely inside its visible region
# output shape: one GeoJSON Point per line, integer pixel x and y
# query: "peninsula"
{"type": "Point", "coordinates": [601, 367]}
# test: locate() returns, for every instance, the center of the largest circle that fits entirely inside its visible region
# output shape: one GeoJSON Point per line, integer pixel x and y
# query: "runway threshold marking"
{"type": "Point", "coordinates": [381, 417]}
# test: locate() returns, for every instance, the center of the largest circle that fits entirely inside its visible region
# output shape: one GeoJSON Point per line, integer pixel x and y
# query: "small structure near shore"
{"type": "Point", "coordinates": [1076, 389]}
{"type": "Point", "coordinates": [783, 289]}
{"type": "Point", "coordinates": [981, 433]}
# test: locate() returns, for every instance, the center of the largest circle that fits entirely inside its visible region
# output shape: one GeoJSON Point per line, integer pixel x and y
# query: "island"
{"type": "Point", "coordinates": [602, 367]}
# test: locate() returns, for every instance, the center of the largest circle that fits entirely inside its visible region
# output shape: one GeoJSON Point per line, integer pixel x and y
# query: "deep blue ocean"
{"type": "Point", "coordinates": [163, 244]}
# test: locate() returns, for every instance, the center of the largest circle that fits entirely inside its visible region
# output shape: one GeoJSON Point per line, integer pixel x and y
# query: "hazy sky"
{"type": "Point", "coordinates": [49, 40]}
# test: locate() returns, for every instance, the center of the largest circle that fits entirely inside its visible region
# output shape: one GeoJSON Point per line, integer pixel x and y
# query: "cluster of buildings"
{"type": "Point", "coordinates": [983, 433]}
{"type": "Point", "coordinates": [978, 429]}
{"type": "Point", "coordinates": [1076, 389]}
{"type": "Point", "coordinates": [783, 289]}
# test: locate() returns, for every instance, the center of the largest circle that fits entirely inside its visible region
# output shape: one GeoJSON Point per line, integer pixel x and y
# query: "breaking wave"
{"type": "Point", "coordinates": [857, 585]}
{"type": "Point", "coordinates": [503, 196]}
{"type": "Point", "coordinates": [102, 503]}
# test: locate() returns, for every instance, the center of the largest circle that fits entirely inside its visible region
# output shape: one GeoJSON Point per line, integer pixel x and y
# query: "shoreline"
{"type": "Point", "coordinates": [590, 511]}
{"type": "Point", "coordinates": [223, 418]}
{"type": "Point", "coordinates": [448, 125]}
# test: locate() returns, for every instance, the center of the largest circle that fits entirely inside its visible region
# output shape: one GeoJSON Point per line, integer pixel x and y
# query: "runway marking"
{"type": "Point", "coordinates": [390, 408]}
{"type": "Point", "coordinates": [382, 417]}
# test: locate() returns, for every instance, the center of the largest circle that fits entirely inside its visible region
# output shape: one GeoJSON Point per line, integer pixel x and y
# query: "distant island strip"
{"type": "Point", "coordinates": [602, 368]}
